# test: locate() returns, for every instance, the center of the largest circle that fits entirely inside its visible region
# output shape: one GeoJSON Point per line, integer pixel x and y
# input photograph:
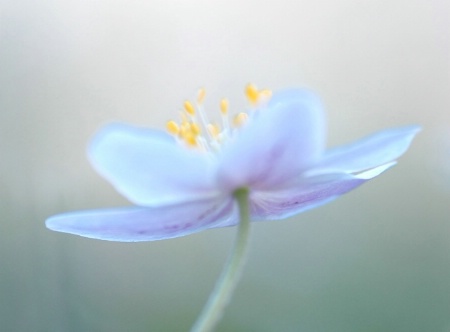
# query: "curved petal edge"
{"type": "Point", "coordinates": [310, 193]}
{"type": "Point", "coordinates": [135, 224]}
{"type": "Point", "coordinates": [149, 167]}
{"type": "Point", "coordinates": [374, 150]}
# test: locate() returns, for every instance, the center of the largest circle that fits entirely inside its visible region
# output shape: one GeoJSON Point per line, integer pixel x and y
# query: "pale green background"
{"type": "Point", "coordinates": [377, 259]}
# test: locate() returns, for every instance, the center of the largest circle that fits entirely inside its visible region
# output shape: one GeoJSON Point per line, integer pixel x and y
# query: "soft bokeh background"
{"type": "Point", "coordinates": [377, 259]}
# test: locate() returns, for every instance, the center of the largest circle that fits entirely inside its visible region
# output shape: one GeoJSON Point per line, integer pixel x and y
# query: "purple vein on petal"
{"type": "Point", "coordinates": [133, 224]}
{"type": "Point", "coordinates": [309, 193]}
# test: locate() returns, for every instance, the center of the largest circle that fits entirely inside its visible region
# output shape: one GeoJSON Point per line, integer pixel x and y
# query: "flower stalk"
{"type": "Point", "coordinates": [221, 295]}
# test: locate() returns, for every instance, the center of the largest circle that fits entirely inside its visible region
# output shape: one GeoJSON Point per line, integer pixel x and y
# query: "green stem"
{"type": "Point", "coordinates": [219, 298]}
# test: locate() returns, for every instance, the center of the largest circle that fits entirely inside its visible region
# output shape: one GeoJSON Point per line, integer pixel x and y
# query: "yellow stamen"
{"type": "Point", "coordinates": [183, 117]}
{"type": "Point", "coordinates": [252, 93]}
{"type": "Point", "coordinates": [194, 124]}
{"type": "Point", "coordinates": [265, 94]}
{"type": "Point", "coordinates": [195, 129]}
{"type": "Point", "coordinates": [189, 107]}
{"type": "Point", "coordinates": [201, 95]}
{"type": "Point", "coordinates": [172, 127]}
{"type": "Point", "coordinates": [184, 129]}
{"type": "Point", "coordinates": [240, 119]}
{"type": "Point", "coordinates": [224, 106]}
{"type": "Point", "coordinates": [214, 130]}
{"type": "Point", "coordinates": [190, 139]}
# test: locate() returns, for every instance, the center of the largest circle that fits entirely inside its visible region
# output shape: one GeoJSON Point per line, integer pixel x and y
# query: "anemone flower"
{"type": "Point", "coordinates": [267, 164]}
{"type": "Point", "coordinates": [183, 181]}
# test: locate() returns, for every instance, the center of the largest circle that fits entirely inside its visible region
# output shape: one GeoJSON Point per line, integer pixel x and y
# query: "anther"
{"type": "Point", "coordinates": [190, 139]}
{"type": "Point", "coordinates": [214, 130]}
{"type": "Point", "coordinates": [201, 95]}
{"type": "Point", "coordinates": [184, 129]}
{"type": "Point", "coordinates": [266, 94]}
{"type": "Point", "coordinates": [195, 129]}
{"type": "Point", "coordinates": [172, 127]}
{"type": "Point", "coordinates": [224, 106]}
{"type": "Point", "coordinates": [252, 93]}
{"type": "Point", "coordinates": [239, 119]}
{"type": "Point", "coordinates": [189, 108]}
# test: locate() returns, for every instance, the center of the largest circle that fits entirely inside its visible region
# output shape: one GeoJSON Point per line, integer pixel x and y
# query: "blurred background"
{"type": "Point", "coordinates": [377, 259]}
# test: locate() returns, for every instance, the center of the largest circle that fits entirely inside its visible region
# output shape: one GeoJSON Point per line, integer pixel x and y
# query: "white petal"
{"type": "Point", "coordinates": [134, 224]}
{"type": "Point", "coordinates": [149, 167]}
{"type": "Point", "coordinates": [277, 143]}
{"type": "Point", "coordinates": [309, 193]}
{"type": "Point", "coordinates": [377, 149]}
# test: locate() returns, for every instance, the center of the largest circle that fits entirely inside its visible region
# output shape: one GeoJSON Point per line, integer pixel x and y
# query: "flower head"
{"type": "Point", "coordinates": [182, 181]}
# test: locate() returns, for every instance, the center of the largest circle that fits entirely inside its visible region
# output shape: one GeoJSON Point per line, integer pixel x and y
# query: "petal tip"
{"type": "Point", "coordinates": [370, 174]}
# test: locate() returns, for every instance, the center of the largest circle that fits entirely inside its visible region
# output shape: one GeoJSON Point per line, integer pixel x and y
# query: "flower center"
{"type": "Point", "coordinates": [195, 130]}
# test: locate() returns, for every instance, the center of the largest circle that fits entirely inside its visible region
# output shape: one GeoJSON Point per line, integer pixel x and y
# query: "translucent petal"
{"type": "Point", "coordinates": [149, 167]}
{"type": "Point", "coordinates": [307, 194]}
{"type": "Point", "coordinates": [277, 143]}
{"type": "Point", "coordinates": [132, 224]}
{"type": "Point", "coordinates": [369, 152]}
